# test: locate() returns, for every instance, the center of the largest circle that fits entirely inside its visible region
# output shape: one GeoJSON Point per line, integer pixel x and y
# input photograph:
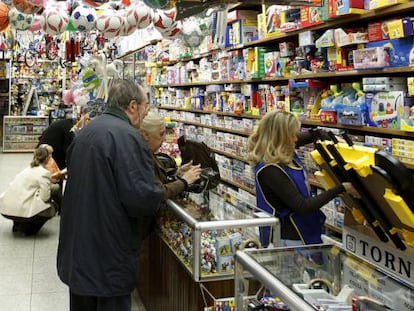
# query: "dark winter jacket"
{"type": "Point", "coordinates": [109, 198]}
{"type": "Point", "coordinates": [59, 136]}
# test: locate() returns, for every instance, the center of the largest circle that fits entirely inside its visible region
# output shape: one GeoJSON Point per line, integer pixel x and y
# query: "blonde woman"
{"type": "Point", "coordinates": [281, 183]}
{"type": "Point", "coordinates": [27, 200]}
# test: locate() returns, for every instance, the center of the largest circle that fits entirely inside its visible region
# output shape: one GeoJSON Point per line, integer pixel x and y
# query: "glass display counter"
{"type": "Point", "coordinates": [320, 277]}
{"type": "Point", "coordinates": [205, 239]}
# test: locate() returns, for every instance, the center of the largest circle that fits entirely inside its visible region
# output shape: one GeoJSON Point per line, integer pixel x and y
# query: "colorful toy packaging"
{"type": "Point", "coordinates": [385, 109]}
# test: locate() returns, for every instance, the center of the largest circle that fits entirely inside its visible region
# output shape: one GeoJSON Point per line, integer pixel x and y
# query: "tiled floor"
{"type": "Point", "coordinates": [28, 278]}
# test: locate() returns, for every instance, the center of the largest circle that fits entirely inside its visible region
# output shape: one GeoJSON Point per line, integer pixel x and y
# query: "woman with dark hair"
{"type": "Point", "coordinates": [27, 200]}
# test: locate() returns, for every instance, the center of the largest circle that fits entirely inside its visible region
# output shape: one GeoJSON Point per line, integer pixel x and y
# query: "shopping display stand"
{"type": "Point", "coordinates": [168, 281]}
{"type": "Point", "coordinates": [383, 232]}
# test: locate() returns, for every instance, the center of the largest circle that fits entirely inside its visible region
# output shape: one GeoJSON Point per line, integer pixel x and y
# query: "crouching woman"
{"type": "Point", "coordinates": [27, 200]}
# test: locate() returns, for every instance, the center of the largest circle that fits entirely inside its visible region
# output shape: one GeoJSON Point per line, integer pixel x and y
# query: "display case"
{"type": "Point", "coordinates": [205, 238]}
{"type": "Point", "coordinates": [320, 277]}
{"type": "Point", "coordinates": [21, 133]}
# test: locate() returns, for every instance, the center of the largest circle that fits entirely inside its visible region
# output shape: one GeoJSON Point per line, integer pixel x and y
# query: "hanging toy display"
{"type": "Point", "coordinates": [194, 31]}
{"type": "Point", "coordinates": [139, 14]}
{"type": "Point", "coordinates": [83, 18]}
{"type": "Point", "coordinates": [19, 20]}
{"type": "Point", "coordinates": [165, 23]}
{"type": "Point", "coordinates": [90, 81]}
{"type": "Point", "coordinates": [54, 21]}
{"type": "Point", "coordinates": [110, 23]}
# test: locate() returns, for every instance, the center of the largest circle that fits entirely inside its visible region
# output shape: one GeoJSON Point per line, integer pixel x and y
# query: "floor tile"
{"type": "Point", "coordinates": [16, 265]}
{"type": "Point", "coordinates": [28, 276]}
{"type": "Point", "coordinates": [15, 284]}
{"type": "Point", "coordinates": [47, 283]}
{"type": "Point", "coordinates": [15, 302]}
{"type": "Point", "coordinates": [50, 302]}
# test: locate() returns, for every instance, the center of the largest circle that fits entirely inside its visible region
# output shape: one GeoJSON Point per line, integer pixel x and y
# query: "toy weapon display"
{"type": "Point", "coordinates": [351, 175]}
{"type": "Point", "coordinates": [338, 176]}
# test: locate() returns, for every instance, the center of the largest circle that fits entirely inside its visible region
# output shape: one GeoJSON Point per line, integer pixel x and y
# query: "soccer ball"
{"type": "Point", "coordinates": [146, 16]}
{"type": "Point", "coordinates": [110, 23]}
{"type": "Point", "coordinates": [164, 20]}
{"type": "Point", "coordinates": [37, 24]}
{"type": "Point", "coordinates": [19, 20]}
{"type": "Point", "coordinates": [173, 31]}
{"type": "Point", "coordinates": [139, 15]}
{"type": "Point", "coordinates": [54, 22]}
{"type": "Point", "coordinates": [83, 18]}
{"type": "Point", "coordinates": [192, 34]}
{"type": "Point", "coordinates": [127, 29]}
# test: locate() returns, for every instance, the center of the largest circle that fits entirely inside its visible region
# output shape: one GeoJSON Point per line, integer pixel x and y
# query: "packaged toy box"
{"type": "Point", "coordinates": [398, 50]}
{"type": "Point", "coordinates": [384, 109]}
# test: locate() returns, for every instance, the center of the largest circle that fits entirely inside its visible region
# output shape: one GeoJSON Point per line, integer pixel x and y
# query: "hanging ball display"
{"type": "Point", "coordinates": [173, 31]}
{"type": "Point", "coordinates": [19, 20]}
{"type": "Point", "coordinates": [163, 20]}
{"type": "Point", "coordinates": [109, 23]}
{"type": "Point", "coordinates": [83, 18]}
{"type": "Point", "coordinates": [139, 14]}
{"type": "Point", "coordinates": [54, 22]}
{"type": "Point", "coordinates": [160, 4]}
{"type": "Point", "coordinates": [145, 16]}
{"type": "Point", "coordinates": [127, 28]}
{"type": "Point", "coordinates": [4, 16]}
{"type": "Point", "coordinates": [191, 34]}
{"type": "Point", "coordinates": [37, 24]}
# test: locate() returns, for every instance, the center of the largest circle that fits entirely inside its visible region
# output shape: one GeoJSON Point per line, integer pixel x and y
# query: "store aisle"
{"type": "Point", "coordinates": [28, 278]}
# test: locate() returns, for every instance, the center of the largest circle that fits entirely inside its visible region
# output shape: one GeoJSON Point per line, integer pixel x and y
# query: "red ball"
{"type": "Point", "coordinates": [4, 16]}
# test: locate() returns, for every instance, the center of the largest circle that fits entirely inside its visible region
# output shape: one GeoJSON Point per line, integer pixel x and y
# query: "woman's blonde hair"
{"type": "Point", "coordinates": [152, 123]}
{"type": "Point", "coordinates": [40, 156]}
{"type": "Point", "coordinates": [271, 142]}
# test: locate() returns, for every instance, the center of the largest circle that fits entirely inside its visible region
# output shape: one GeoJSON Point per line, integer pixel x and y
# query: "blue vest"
{"type": "Point", "coordinates": [309, 227]}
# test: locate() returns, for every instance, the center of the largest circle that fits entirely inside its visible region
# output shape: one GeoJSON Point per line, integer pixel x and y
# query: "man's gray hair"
{"type": "Point", "coordinates": [123, 91]}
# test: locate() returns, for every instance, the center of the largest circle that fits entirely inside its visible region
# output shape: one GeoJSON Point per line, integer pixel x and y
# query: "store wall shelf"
{"type": "Point", "coordinates": [230, 155]}
{"type": "Point", "coordinates": [220, 113]}
{"type": "Point", "coordinates": [231, 182]}
{"type": "Point", "coordinates": [243, 133]}
{"type": "Point", "coordinates": [21, 133]}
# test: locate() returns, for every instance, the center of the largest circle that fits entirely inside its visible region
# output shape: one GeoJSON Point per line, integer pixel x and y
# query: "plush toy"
{"type": "Point", "coordinates": [68, 98]}
{"type": "Point", "coordinates": [81, 97]}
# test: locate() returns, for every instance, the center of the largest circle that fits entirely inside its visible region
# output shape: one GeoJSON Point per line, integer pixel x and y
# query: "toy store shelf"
{"type": "Point", "coordinates": [227, 181]}
{"type": "Point", "coordinates": [20, 133]}
{"type": "Point", "coordinates": [230, 155]}
{"type": "Point", "coordinates": [356, 73]}
{"type": "Point", "coordinates": [365, 129]}
{"type": "Point", "coordinates": [404, 8]}
{"type": "Point", "coordinates": [316, 75]}
{"type": "Point", "coordinates": [243, 133]}
{"type": "Point", "coordinates": [229, 114]}
{"type": "Point", "coordinates": [152, 42]}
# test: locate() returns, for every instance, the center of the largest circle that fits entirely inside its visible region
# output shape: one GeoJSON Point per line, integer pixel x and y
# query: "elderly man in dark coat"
{"type": "Point", "coordinates": [109, 198]}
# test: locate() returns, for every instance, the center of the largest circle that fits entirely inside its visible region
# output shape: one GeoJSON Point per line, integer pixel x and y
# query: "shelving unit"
{"type": "Point", "coordinates": [4, 91]}
{"type": "Point", "coordinates": [21, 133]}
{"type": "Point", "coordinates": [195, 119]}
